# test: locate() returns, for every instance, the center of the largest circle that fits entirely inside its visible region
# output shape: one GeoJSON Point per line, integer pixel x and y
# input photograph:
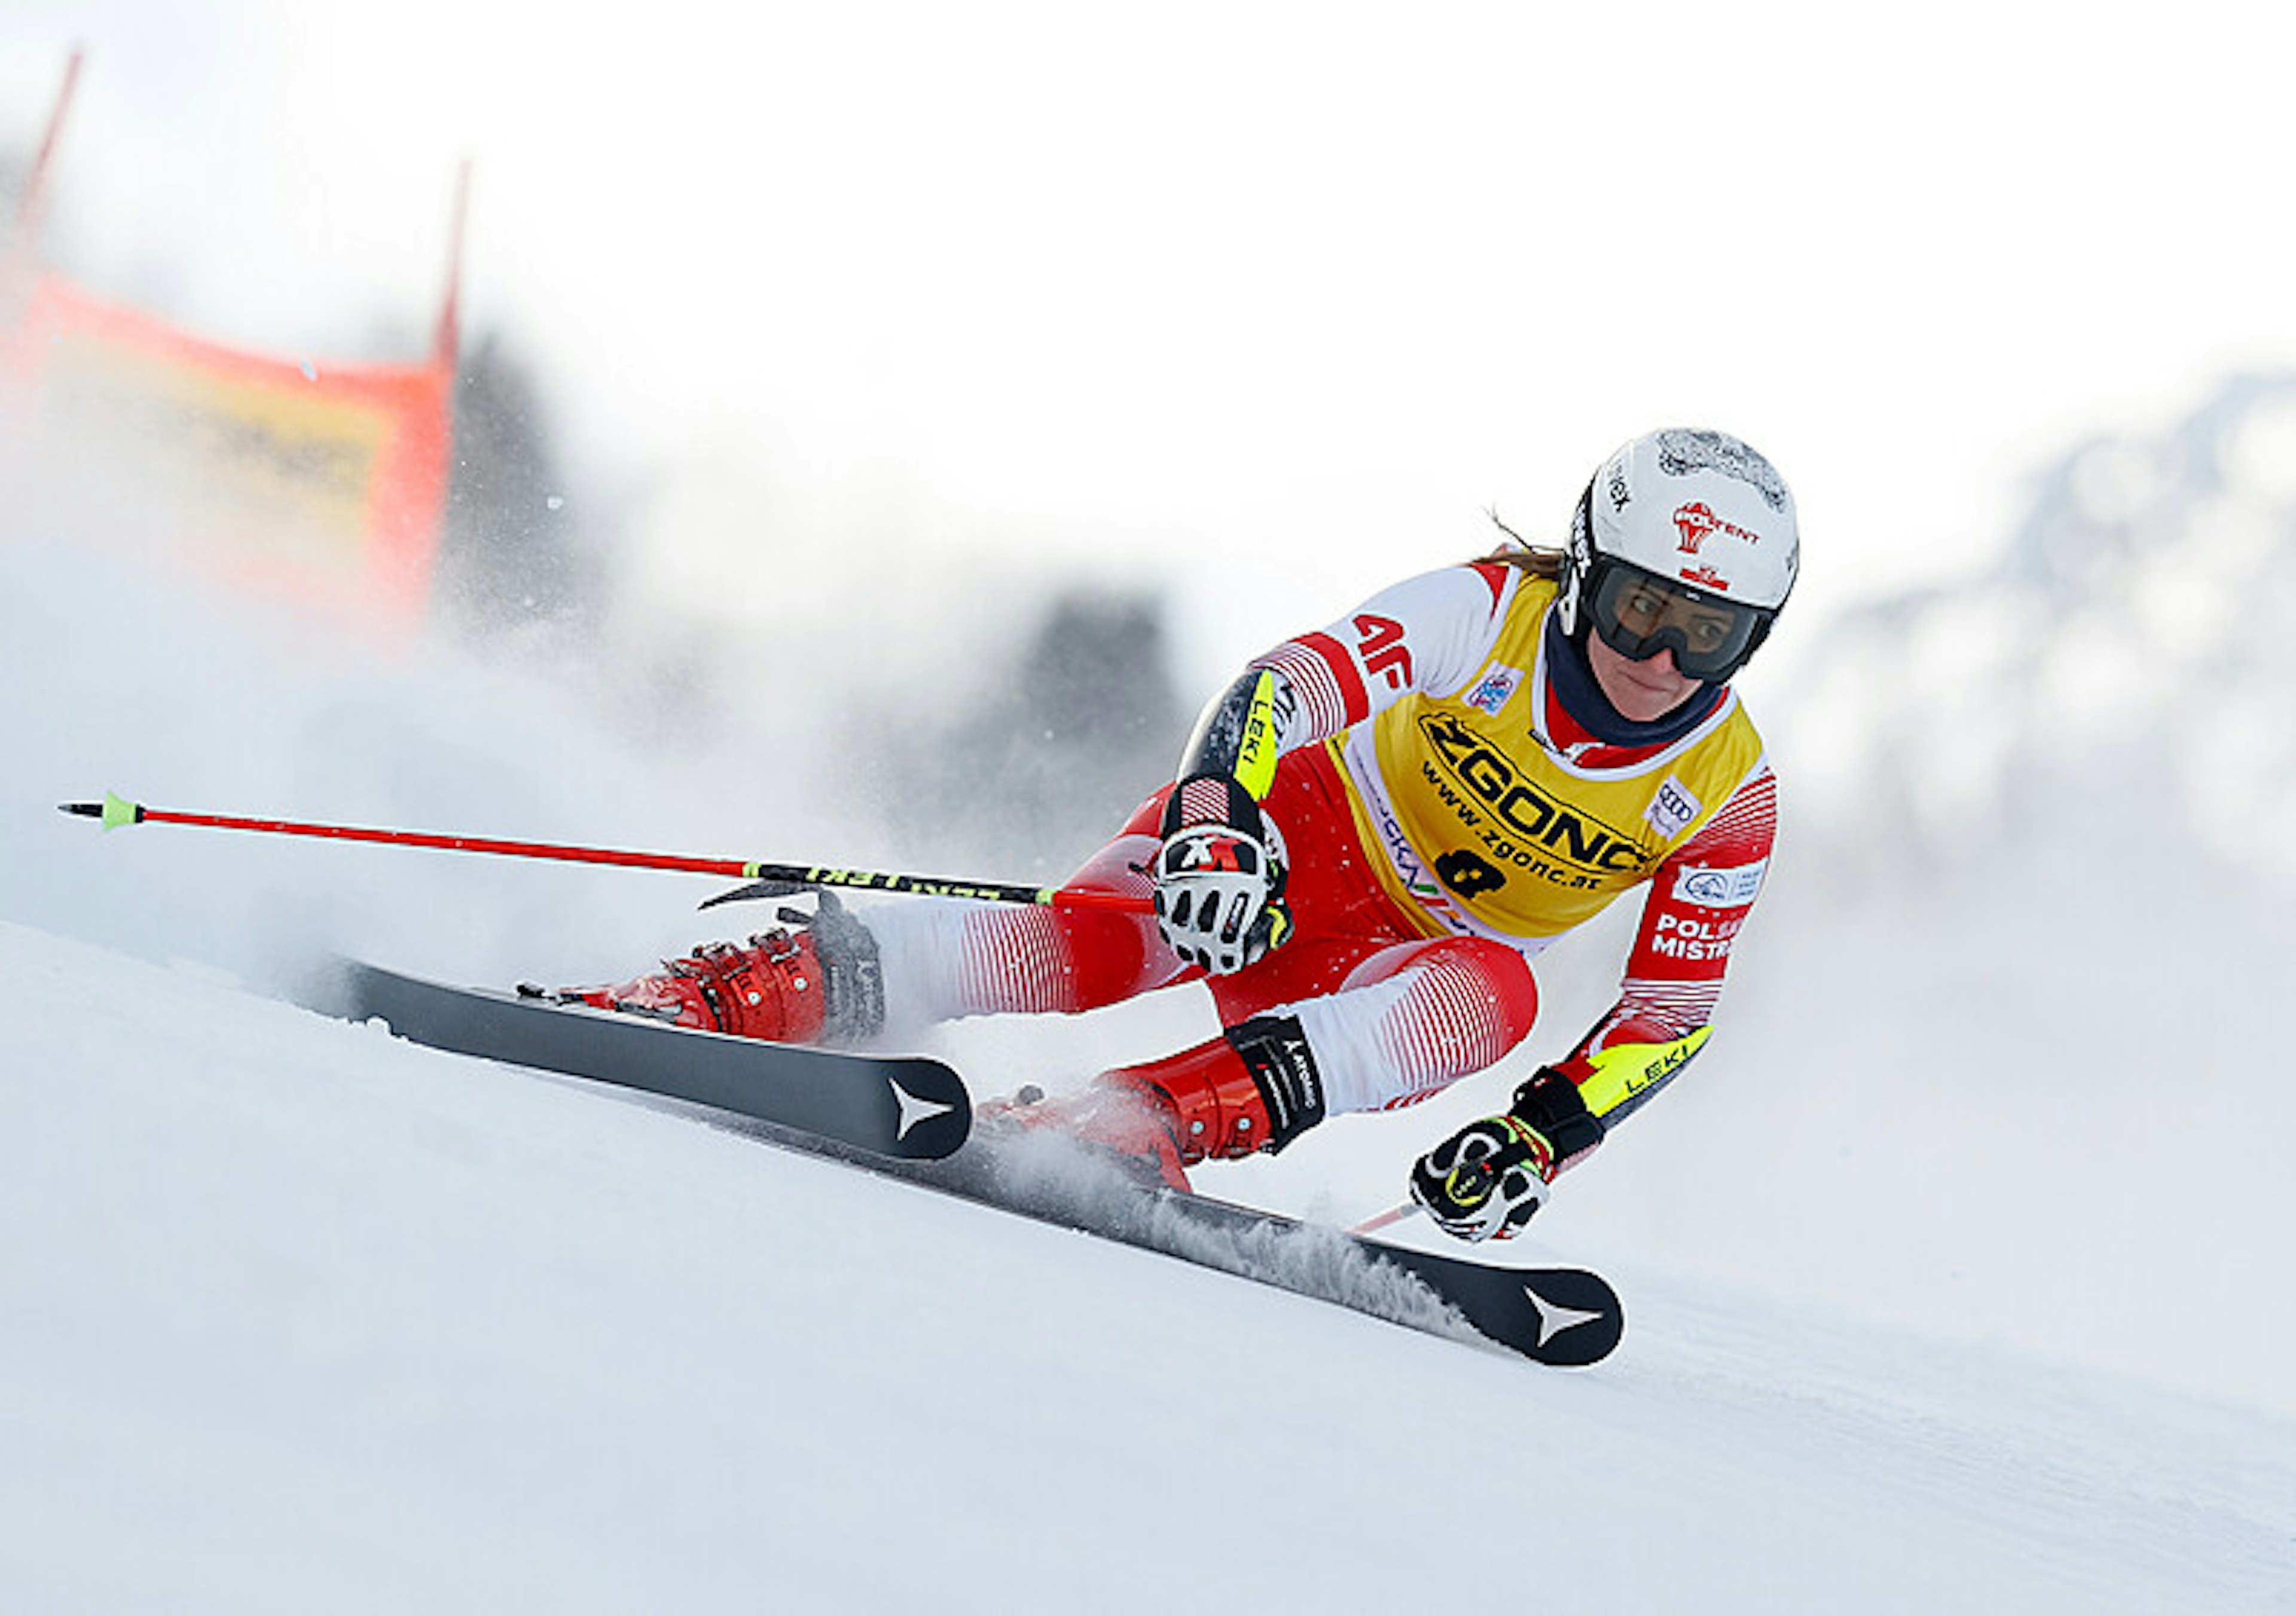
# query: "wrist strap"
{"type": "Point", "coordinates": [1552, 1103]}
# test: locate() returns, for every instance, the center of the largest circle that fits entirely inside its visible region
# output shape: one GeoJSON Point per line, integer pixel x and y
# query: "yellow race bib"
{"type": "Point", "coordinates": [1474, 811]}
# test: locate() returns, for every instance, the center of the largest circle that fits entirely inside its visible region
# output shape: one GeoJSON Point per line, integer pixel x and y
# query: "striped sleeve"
{"type": "Point", "coordinates": [1432, 632]}
{"type": "Point", "coordinates": [1328, 691]}
{"type": "Point", "coordinates": [1699, 899]}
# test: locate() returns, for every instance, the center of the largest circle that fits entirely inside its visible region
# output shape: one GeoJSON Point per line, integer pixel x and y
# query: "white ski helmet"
{"type": "Point", "coordinates": [1699, 529]}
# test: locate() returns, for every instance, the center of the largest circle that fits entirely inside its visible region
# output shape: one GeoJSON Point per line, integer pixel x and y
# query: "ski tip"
{"type": "Point", "coordinates": [114, 810]}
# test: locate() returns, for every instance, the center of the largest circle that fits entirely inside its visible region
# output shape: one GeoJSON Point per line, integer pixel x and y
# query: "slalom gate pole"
{"type": "Point", "coordinates": [767, 880]}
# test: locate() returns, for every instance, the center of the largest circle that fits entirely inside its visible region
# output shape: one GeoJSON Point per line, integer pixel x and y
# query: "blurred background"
{"type": "Point", "coordinates": [871, 431]}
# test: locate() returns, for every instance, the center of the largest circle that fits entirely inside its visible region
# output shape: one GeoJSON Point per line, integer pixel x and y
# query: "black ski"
{"type": "Point", "coordinates": [906, 1117]}
{"type": "Point", "coordinates": [1557, 1316]}
{"type": "Point", "coordinates": [905, 1107]}
{"type": "Point", "coordinates": [1560, 1316]}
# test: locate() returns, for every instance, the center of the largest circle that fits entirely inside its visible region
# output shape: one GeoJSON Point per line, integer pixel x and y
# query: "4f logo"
{"type": "Point", "coordinates": [1379, 641]}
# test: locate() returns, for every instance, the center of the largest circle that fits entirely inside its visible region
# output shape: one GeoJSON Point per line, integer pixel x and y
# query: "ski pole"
{"type": "Point", "coordinates": [767, 880]}
{"type": "Point", "coordinates": [1379, 1220]}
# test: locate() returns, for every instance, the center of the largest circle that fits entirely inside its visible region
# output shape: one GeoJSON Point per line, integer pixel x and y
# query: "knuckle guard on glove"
{"type": "Point", "coordinates": [1218, 881]}
{"type": "Point", "coordinates": [1486, 1181]}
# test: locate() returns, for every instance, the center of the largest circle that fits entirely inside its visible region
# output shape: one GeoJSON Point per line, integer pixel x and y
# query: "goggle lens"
{"type": "Point", "coordinates": [1638, 614]}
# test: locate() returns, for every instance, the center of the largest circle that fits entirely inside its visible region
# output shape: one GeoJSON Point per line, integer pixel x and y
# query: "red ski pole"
{"type": "Point", "coordinates": [767, 880]}
{"type": "Point", "coordinates": [1379, 1220]}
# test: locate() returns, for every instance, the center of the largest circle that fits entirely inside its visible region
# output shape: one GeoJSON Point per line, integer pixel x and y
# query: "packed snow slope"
{"type": "Point", "coordinates": [1958, 1267]}
{"type": "Point", "coordinates": [303, 1317]}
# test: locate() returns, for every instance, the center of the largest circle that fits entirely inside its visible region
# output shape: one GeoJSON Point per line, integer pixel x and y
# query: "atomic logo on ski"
{"type": "Point", "coordinates": [1553, 1318]}
{"type": "Point", "coordinates": [914, 1110]}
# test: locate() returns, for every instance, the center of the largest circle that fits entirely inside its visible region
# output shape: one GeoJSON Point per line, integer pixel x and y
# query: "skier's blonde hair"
{"type": "Point", "coordinates": [1539, 560]}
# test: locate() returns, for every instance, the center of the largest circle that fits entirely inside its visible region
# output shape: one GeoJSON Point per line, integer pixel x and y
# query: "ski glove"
{"type": "Point", "coordinates": [1486, 1181]}
{"type": "Point", "coordinates": [1219, 877]}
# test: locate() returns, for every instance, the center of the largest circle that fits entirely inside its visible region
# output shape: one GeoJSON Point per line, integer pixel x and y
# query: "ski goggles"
{"type": "Point", "coordinates": [1639, 614]}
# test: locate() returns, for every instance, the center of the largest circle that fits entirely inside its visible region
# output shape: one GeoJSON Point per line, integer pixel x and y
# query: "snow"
{"type": "Point", "coordinates": [306, 1317]}
{"type": "Point", "coordinates": [1957, 1273]}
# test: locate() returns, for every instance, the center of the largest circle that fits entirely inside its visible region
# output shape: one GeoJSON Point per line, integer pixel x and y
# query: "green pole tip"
{"type": "Point", "coordinates": [113, 810]}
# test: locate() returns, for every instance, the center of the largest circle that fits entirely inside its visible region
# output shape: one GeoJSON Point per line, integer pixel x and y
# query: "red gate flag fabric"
{"type": "Point", "coordinates": [320, 481]}
{"type": "Point", "coordinates": [324, 482]}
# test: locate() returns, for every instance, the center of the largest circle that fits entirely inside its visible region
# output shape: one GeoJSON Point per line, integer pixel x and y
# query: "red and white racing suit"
{"type": "Point", "coordinates": [1445, 819]}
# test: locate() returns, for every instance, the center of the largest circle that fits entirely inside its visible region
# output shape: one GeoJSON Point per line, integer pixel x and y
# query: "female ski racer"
{"type": "Point", "coordinates": [1373, 833]}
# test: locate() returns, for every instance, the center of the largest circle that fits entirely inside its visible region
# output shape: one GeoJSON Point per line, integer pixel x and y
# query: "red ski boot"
{"type": "Point", "coordinates": [1254, 1089]}
{"type": "Point", "coordinates": [818, 983]}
